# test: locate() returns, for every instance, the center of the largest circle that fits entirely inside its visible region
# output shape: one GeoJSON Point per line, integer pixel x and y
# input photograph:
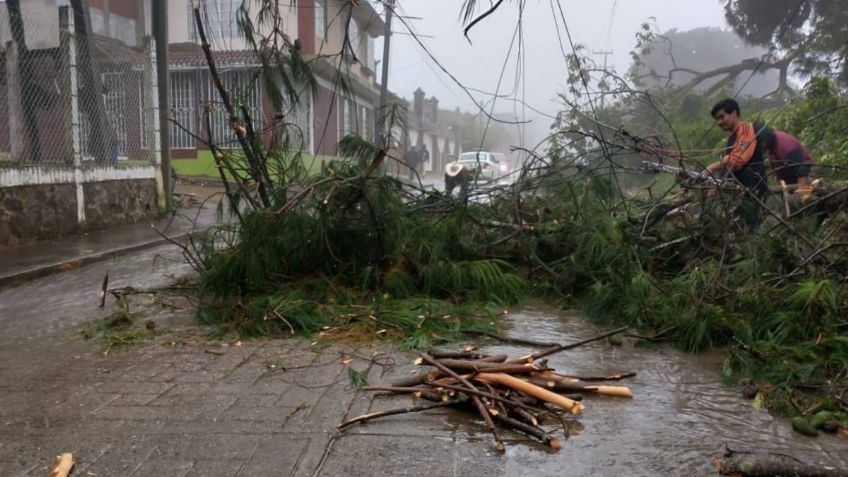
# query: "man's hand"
{"type": "Point", "coordinates": [714, 167]}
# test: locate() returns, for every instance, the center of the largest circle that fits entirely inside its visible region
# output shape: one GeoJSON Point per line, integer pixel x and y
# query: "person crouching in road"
{"type": "Point", "coordinates": [788, 158]}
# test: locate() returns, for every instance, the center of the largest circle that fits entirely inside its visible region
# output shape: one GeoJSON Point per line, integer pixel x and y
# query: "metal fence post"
{"type": "Point", "coordinates": [14, 95]}
{"type": "Point", "coordinates": [150, 45]}
{"type": "Point", "coordinates": [69, 59]}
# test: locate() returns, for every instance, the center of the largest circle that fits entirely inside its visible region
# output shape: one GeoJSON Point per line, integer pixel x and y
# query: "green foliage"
{"type": "Point", "coordinates": [819, 120]}
{"type": "Point", "coordinates": [119, 329]}
{"type": "Point", "coordinates": [357, 380]}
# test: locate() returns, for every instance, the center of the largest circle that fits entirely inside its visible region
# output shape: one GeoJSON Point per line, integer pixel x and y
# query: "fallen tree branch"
{"type": "Point", "coordinates": [403, 410]}
{"type": "Point", "coordinates": [741, 464]}
{"type": "Point", "coordinates": [505, 339]}
{"type": "Point", "coordinates": [530, 430]}
{"type": "Point", "coordinates": [558, 348]}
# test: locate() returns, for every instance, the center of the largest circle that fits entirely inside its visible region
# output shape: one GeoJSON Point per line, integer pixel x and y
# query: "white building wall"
{"type": "Point", "coordinates": [41, 23]}
{"type": "Point", "coordinates": [226, 36]}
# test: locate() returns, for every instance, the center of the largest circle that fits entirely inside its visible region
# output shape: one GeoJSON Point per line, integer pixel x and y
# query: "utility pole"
{"type": "Point", "coordinates": [606, 54]}
{"type": "Point", "coordinates": [160, 35]}
{"type": "Point", "coordinates": [382, 112]}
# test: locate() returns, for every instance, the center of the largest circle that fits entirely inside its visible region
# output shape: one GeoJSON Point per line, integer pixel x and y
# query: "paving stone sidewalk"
{"type": "Point", "coordinates": [22, 263]}
{"type": "Point", "coordinates": [187, 405]}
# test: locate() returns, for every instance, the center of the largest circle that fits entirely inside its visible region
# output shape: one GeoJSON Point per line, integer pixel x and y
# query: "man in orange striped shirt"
{"type": "Point", "coordinates": [744, 154]}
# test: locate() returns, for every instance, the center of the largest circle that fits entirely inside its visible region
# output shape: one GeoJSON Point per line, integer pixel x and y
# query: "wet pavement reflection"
{"type": "Point", "coordinates": [682, 414]}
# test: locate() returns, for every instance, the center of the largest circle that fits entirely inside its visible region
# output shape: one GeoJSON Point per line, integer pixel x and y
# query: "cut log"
{"type": "Point", "coordinates": [578, 387]}
{"type": "Point", "coordinates": [617, 391]}
{"type": "Point", "coordinates": [563, 402]}
{"type": "Point", "coordinates": [62, 466]}
{"type": "Point", "coordinates": [477, 366]}
{"type": "Point", "coordinates": [608, 377]}
{"type": "Point", "coordinates": [417, 379]}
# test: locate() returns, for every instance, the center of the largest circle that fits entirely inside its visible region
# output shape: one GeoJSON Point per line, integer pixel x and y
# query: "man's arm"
{"type": "Point", "coordinates": [743, 149]}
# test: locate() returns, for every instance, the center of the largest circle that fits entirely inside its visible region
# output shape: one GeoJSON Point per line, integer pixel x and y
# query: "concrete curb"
{"type": "Point", "coordinates": [40, 271]}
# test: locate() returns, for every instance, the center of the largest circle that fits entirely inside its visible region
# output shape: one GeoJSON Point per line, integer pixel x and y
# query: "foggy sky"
{"type": "Point", "coordinates": [478, 65]}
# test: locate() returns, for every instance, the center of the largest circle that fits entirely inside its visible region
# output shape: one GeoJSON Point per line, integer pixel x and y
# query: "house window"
{"type": "Point", "coordinates": [298, 120]}
{"type": "Point", "coordinates": [182, 109]}
{"type": "Point", "coordinates": [369, 53]}
{"type": "Point", "coordinates": [245, 90]}
{"type": "Point", "coordinates": [348, 122]}
{"type": "Point", "coordinates": [115, 107]}
{"type": "Point", "coordinates": [219, 19]}
{"type": "Point", "coordinates": [360, 43]}
{"type": "Point", "coordinates": [354, 36]}
{"type": "Point", "coordinates": [320, 18]}
{"type": "Point", "coordinates": [367, 128]}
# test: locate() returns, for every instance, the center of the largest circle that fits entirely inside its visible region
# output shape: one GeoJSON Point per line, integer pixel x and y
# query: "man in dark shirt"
{"type": "Point", "coordinates": [411, 158]}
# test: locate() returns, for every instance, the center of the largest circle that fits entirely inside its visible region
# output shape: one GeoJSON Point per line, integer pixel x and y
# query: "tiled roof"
{"type": "Point", "coordinates": [109, 50]}
{"type": "Point", "coordinates": [190, 55]}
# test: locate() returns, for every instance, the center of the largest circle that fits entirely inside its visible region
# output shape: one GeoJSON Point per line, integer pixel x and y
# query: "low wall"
{"type": "Point", "coordinates": [37, 212]}
{"type": "Point", "coordinates": [119, 202]}
{"type": "Point", "coordinates": [45, 203]}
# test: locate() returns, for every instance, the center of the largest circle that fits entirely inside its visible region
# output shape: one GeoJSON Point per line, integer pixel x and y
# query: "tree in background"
{"type": "Point", "coordinates": [811, 35]}
{"type": "Point", "coordinates": [675, 59]}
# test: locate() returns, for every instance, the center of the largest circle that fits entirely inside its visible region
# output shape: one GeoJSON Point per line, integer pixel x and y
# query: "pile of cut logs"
{"type": "Point", "coordinates": [523, 394]}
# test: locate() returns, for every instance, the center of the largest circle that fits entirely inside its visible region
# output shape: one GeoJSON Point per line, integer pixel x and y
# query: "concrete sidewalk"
{"type": "Point", "coordinates": [22, 263]}
{"type": "Point", "coordinates": [187, 405]}
{"type": "Point", "coordinates": [183, 404]}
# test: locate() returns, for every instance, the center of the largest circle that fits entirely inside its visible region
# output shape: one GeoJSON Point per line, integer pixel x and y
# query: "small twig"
{"type": "Point", "coordinates": [610, 377]}
{"type": "Point", "coordinates": [557, 349]}
{"type": "Point", "coordinates": [530, 429]}
{"type": "Point", "coordinates": [103, 289]}
{"type": "Point", "coordinates": [403, 410]}
{"type": "Point", "coordinates": [506, 339]}
{"type": "Point", "coordinates": [423, 392]}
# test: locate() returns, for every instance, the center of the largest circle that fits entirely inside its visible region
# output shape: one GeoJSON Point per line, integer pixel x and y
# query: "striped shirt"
{"type": "Point", "coordinates": [744, 146]}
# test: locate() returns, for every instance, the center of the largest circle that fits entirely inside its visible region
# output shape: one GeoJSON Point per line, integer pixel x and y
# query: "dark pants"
{"type": "Point", "coordinates": [792, 168]}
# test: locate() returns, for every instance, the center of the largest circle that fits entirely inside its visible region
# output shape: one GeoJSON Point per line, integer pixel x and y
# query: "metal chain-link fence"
{"type": "Point", "coordinates": [72, 91]}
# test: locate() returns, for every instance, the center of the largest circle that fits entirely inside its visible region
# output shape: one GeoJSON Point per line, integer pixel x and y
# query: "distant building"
{"type": "Point", "coordinates": [319, 27]}
{"type": "Point", "coordinates": [425, 125]}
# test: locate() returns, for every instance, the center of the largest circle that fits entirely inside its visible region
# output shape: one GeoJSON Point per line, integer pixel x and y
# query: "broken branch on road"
{"type": "Point", "coordinates": [521, 396]}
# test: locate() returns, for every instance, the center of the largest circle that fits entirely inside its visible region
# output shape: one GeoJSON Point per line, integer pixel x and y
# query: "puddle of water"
{"type": "Point", "coordinates": [681, 415]}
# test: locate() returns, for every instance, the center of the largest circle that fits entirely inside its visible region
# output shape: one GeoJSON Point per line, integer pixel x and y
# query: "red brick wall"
{"type": "Point", "coordinates": [124, 8]}
{"type": "Point", "coordinates": [306, 25]}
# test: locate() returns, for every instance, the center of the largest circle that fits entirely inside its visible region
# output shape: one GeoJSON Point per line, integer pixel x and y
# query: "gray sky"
{"type": "Point", "coordinates": [595, 23]}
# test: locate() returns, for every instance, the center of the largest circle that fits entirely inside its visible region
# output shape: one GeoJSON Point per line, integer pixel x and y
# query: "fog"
{"type": "Point", "coordinates": [600, 25]}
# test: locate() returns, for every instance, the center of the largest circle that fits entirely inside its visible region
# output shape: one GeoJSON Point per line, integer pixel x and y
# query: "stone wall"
{"type": "Point", "coordinates": [118, 202]}
{"type": "Point", "coordinates": [45, 211]}
{"type": "Point", "coordinates": [37, 212]}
